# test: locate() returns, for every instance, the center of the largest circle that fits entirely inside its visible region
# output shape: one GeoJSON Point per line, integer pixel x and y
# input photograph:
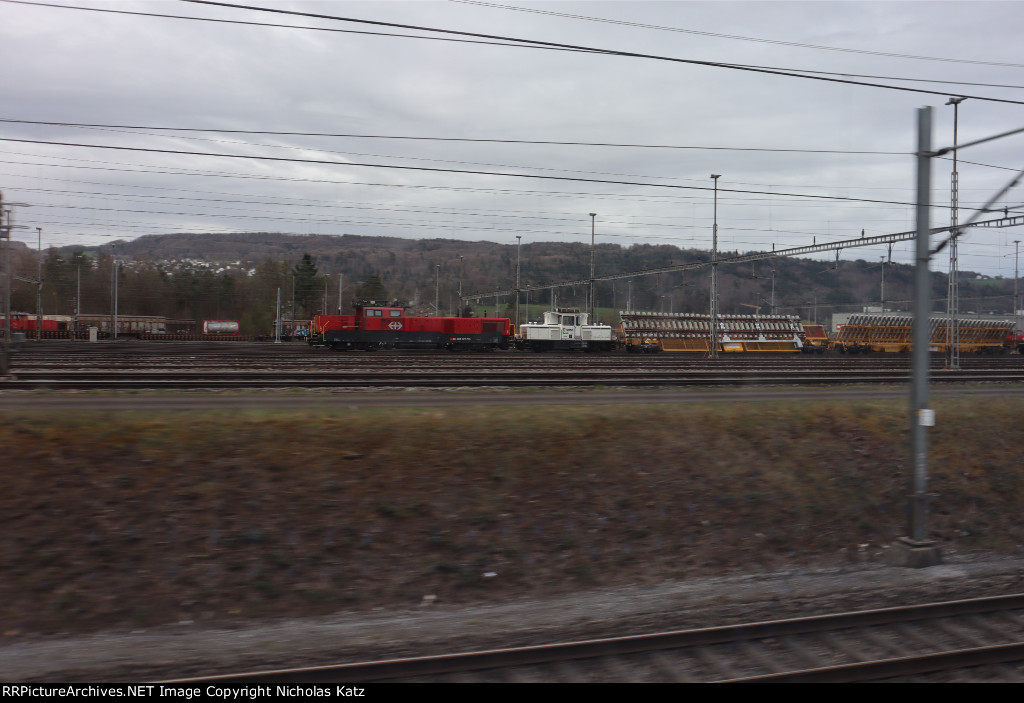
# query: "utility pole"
{"type": "Point", "coordinates": [39, 286]}
{"type": "Point", "coordinates": [341, 280]}
{"type": "Point", "coordinates": [78, 302]}
{"type": "Point", "coordinates": [113, 302]}
{"type": "Point", "coordinates": [7, 272]}
{"type": "Point", "coordinates": [713, 348]}
{"type": "Point", "coordinates": [519, 248]}
{"type": "Point", "coordinates": [437, 292]}
{"type": "Point", "coordinates": [592, 307]}
{"type": "Point", "coordinates": [277, 323]}
{"type": "Point", "coordinates": [953, 294]}
{"type": "Point", "coordinates": [916, 550]}
{"type": "Point", "coordinates": [881, 302]}
{"type": "Point", "coordinates": [1016, 276]}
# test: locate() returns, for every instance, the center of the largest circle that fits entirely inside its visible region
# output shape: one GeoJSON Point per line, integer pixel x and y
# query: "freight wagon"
{"type": "Point", "coordinates": [691, 332]}
{"type": "Point", "coordinates": [894, 333]}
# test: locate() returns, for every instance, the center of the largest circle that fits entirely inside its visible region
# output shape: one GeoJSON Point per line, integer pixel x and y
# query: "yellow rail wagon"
{"type": "Point", "coordinates": [816, 340]}
{"type": "Point", "coordinates": [894, 333]}
{"type": "Point", "coordinates": [690, 332]}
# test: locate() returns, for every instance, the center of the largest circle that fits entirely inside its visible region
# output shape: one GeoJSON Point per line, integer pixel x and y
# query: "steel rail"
{"type": "Point", "coordinates": [364, 672]}
{"type": "Point", "coordinates": [897, 667]}
{"type": "Point", "coordinates": [434, 379]}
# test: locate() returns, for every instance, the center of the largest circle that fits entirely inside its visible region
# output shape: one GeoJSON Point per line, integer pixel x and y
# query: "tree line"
{"type": "Point", "coordinates": [427, 275]}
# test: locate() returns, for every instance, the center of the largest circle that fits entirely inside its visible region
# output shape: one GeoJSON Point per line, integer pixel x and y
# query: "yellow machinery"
{"type": "Point", "coordinates": [690, 332]}
{"type": "Point", "coordinates": [816, 339]}
{"type": "Point", "coordinates": [894, 333]}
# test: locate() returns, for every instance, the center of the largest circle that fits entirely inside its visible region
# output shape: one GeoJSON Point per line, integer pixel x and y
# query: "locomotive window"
{"type": "Point", "coordinates": [373, 313]}
{"type": "Point", "coordinates": [395, 313]}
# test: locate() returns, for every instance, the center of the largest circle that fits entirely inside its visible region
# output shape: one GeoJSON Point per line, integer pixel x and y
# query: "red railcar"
{"type": "Point", "coordinates": [26, 322]}
{"type": "Point", "coordinates": [1015, 340]}
{"type": "Point", "coordinates": [385, 326]}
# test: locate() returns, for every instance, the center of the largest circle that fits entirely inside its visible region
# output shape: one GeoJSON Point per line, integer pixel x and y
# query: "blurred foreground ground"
{"type": "Point", "coordinates": [133, 520]}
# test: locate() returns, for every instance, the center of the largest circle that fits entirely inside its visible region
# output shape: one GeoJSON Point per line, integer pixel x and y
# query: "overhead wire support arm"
{"type": "Point", "coordinates": [982, 210]}
{"type": "Point", "coordinates": [1014, 221]}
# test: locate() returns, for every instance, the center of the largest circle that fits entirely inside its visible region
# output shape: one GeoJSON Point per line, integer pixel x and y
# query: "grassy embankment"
{"type": "Point", "coordinates": [132, 518]}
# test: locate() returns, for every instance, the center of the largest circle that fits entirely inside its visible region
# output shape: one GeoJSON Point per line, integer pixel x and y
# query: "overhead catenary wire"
{"type": "Point", "coordinates": [596, 50]}
{"type": "Point", "coordinates": [327, 162]}
{"type": "Point", "coordinates": [718, 35]}
{"type": "Point", "coordinates": [517, 42]}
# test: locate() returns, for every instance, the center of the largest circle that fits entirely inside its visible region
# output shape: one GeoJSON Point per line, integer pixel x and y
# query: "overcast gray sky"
{"type": "Point", "coordinates": [772, 138]}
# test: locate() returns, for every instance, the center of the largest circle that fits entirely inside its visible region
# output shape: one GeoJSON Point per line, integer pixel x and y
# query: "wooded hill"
{"type": "Point", "coordinates": [237, 276]}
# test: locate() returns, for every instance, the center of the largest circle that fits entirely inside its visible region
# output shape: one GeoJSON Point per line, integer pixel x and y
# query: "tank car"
{"type": "Point", "coordinates": [220, 327]}
{"type": "Point", "coordinates": [564, 329]}
{"type": "Point", "coordinates": [377, 325]}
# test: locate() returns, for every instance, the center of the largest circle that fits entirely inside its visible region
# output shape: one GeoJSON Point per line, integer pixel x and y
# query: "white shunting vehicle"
{"type": "Point", "coordinates": [564, 329]}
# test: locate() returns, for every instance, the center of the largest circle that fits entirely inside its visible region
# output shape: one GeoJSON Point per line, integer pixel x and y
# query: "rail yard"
{"type": "Point", "coordinates": [134, 365]}
{"type": "Point", "coordinates": [471, 561]}
{"type": "Point", "coordinates": [678, 470]}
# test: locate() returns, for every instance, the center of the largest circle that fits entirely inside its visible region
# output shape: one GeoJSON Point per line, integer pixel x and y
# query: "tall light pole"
{"type": "Point", "coordinates": [113, 302]}
{"type": "Point", "coordinates": [592, 216]}
{"type": "Point", "coordinates": [713, 348]}
{"type": "Point", "coordinates": [1016, 275]}
{"type": "Point", "coordinates": [460, 287]}
{"type": "Point", "coordinates": [953, 293]}
{"type": "Point", "coordinates": [881, 302]}
{"type": "Point", "coordinates": [39, 287]}
{"type": "Point", "coordinates": [78, 301]}
{"type": "Point", "coordinates": [437, 292]}
{"type": "Point", "coordinates": [7, 273]}
{"type": "Point", "coordinates": [519, 247]}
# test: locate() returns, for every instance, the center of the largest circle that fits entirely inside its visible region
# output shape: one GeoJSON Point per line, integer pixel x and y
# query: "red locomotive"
{"type": "Point", "coordinates": [379, 325]}
{"type": "Point", "coordinates": [26, 322]}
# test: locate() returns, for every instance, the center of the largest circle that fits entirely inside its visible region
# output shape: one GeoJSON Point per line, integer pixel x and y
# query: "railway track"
{"type": "Point", "coordinates": [362, 379]}
{"type": "Point", "coordinates": [977, 639]}
{"type": "Point", "coordinates": [137, 365]}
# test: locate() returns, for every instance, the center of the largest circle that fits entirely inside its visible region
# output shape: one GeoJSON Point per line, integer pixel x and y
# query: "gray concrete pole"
{"type": "Point", "coordinates": [916, 550]}
{"type": "Point", "coordinates": [919, 396]}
